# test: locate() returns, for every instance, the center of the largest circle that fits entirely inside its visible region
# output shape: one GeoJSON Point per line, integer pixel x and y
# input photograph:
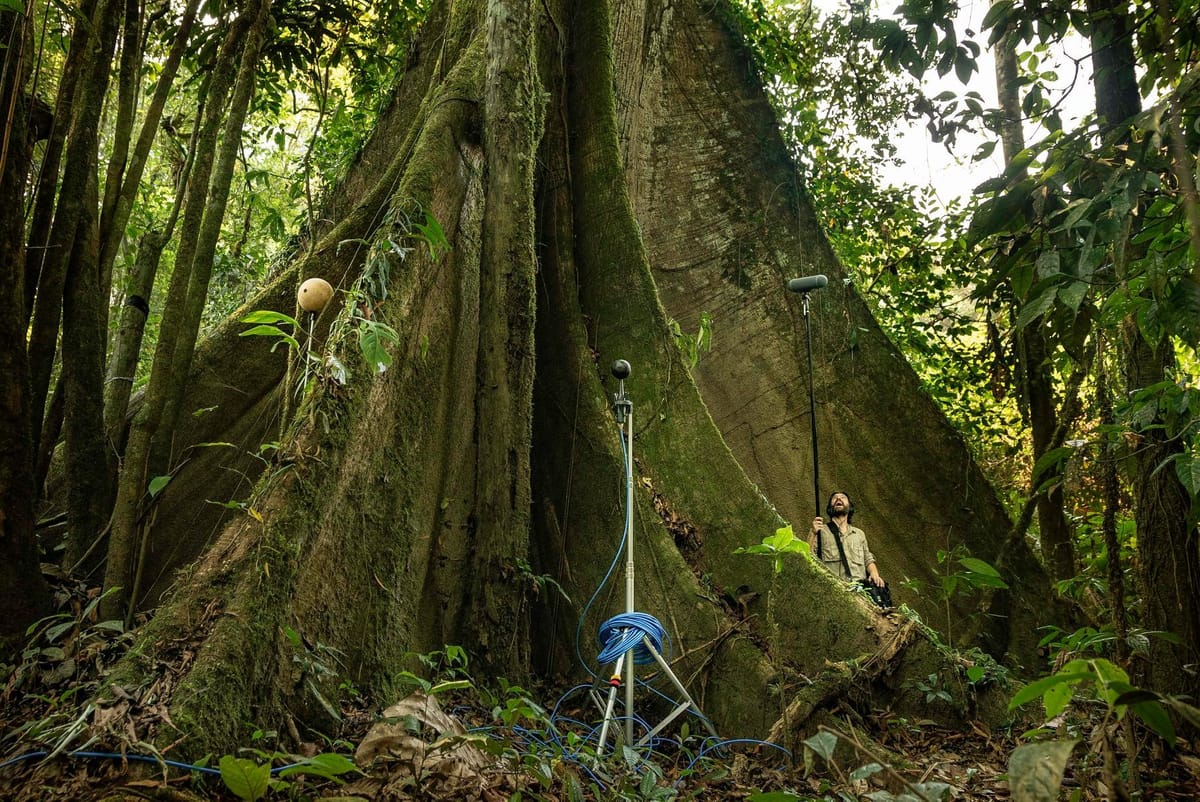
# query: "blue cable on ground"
{"type": "Point", "coordinates": [175, 764]}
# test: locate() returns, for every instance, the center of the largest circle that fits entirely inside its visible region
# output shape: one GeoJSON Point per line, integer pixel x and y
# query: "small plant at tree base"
{"type": "Point", "coordinates": [784, 541]}
{"type": "Point", "coordinates": [251, 780]}
{"type": "Point", "coordinates": [972, 576]}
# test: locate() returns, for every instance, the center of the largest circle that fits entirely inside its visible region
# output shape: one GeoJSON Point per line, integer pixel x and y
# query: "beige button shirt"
{"type": "Point", "coordinates": [858, 553]}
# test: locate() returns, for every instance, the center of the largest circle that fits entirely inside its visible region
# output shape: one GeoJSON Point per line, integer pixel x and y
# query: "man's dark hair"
{"type": "Point", "coordinates": [829, 506]}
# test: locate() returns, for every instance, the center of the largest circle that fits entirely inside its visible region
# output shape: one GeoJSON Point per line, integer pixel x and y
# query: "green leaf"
{"type": "Point", "coordinates": [1057, 698]}
{"type": "Point", "coordinates": [268, 316]}
{"type": "Point", "coordinates": [12, 5]}
{"type": "Point", "coordinates": [1187, 468]}
{"type": "Point", "coordinates": [373, 339]}
{"type": "Point", "coordinates": [327, 764]}
{"type": "Point", "coordinates": [1073, 294]}
{"type": "Point", "coordinates": [823, 743]}
{"type": "Point", "coordinates": [863, 772]}
{"type": "Point", "coordinates": [1037, 307]}
{"type": "Point", "coordinates": [997, 13]}
{"type": "Point", "coordinates": [1037, 688]}
{"type": "Point", "coordinates": [773, 796]}
{"type": "Point", "coordinates": [975, 673]}
{"type": "Point", "coordinates": [646, 786]}
{"type": "Point", "coordinates": [978, 566]}
{"type": "Point", "coordinates": [1051, 459]}
{"type": "Point", "coordinates": [1035, 771]}
{"type": "Point", "coordinates": [1156, 718]}
{"type": "Point", "coordinates": [245, 778]}
{"type": "Point", "coordinates": [450, 685]}
{"type": "Point", "coordinates": [780, 539]}
{"type": "Point", "coordinates": [157, 484]}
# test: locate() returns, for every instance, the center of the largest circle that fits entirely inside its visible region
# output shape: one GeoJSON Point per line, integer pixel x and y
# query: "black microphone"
{"type": "Point", "coordinates": [621, 369]}
{"type": "Point", "coordinates": [807, 283]}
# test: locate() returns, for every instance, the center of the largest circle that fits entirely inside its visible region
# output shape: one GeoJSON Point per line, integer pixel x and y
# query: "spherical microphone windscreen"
{"type": "Point", "coordinates": [621, 369]}
{"type": "Point", "coordinates": [807, 283]}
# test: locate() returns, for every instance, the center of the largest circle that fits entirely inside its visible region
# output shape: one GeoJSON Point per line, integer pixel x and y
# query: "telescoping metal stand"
{"type": "Point", "coordinates": [631, 634]}
{"type": "Point", "coordinates": [804, 286]}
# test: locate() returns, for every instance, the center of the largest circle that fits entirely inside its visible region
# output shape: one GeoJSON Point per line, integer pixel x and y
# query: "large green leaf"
{"type": "Point", "coordinates": [1035, 771]}
{"type": "Point", "coordinates": [245, 778]}
{"type": "Point", "coordinates": [1039, 687]}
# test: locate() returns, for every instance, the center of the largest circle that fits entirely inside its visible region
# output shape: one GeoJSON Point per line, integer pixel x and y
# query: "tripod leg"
{"type": "Point", "coordinates": [687, 703]}
{"type": "Point", "coordinates": [608, 709]}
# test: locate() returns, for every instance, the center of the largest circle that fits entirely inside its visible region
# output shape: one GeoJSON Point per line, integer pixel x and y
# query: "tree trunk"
{"type": "Point", "coordinates": [139, 467]}
{"type": "Point", "coordinates": [23, 593]}
{"type": "Point", "coordinates": [367, 537]}
{"type": "Point", "coordinates": [112, 226]}
{"type": "Point", "coordinates": [1168, 545]}
{"type": "Point", "coordinates": [89, 464]}
{"type": "Point", "coordinates": [45, 192]}
{"type": "Point", "coordinates": [78, 169]}
{"type": "Point", "coordinates": [128, 84]}
{"type": "Point", "coordinates": [127, 343]}
{"type": "Point", "coordinates": [85, 302]}
{"type": "Point", "coordinates": [1033, 353]}
{"type": "Point", "coordinates": [499, 633]}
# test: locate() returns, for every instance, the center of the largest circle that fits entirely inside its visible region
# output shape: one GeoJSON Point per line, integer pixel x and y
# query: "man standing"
{"type": "Point", "coordinates": [843, 548]}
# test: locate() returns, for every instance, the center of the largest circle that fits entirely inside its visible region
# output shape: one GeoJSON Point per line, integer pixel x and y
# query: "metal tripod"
{"type": "Point", "coordinates": [623, 411]}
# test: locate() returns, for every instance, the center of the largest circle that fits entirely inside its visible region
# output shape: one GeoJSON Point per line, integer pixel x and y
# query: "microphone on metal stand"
{"type": "Point", "coordinates": [633, 639]}
{"type": "Point", "coordinates": [804, 285]}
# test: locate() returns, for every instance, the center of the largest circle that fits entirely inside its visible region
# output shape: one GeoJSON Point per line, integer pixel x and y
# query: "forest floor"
{"type": "Point", "coordinates": [455, 741]}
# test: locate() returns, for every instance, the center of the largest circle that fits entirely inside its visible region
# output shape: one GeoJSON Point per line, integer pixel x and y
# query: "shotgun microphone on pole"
{"type": "Point", "coordinates": [807, 283]}
{"type": "Point", "coordinates": [804, 285]}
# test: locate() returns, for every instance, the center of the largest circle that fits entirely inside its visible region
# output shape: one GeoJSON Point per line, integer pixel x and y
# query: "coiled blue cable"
{"type": "Point", "coordinates": [628, 631]}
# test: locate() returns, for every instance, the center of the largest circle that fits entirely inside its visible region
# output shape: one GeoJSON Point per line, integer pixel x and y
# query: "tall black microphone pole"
{"type": "Point", "coordinates": [804, 286]}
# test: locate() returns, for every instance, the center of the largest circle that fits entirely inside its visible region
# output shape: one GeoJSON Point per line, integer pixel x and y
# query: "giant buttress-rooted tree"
{"type": "Point", "coordinates": [593, 168]}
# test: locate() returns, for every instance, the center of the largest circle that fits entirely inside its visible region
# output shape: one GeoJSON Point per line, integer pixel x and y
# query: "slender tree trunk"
{"type": "Point", "coordinates": [127, 342]}
{"type": "Point", "coordinates": [85, 77]}
{"type": "Point", "coordinates": [88, 462]}
{"type": "Point", "coordinates": [127, 94]}
{"type": "Point", "coordinates": [1112, 503]}
{"type": "Point", "coordinates": [1037, 375]}
{"type": "Point", "coordinates": [180, 320]}
{"type": "Point", "coordinates": [200, 273]}
{"type": "Point", "coordinates": [45, 194]}
{"type": "Point", "coordinates": [114, 220]}
{"type": "Point", "coordinates": [1168, 547]}
{"type": "Point", "coordinates": [24, 596]}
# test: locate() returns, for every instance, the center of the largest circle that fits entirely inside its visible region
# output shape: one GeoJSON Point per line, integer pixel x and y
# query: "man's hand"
{"type": "Point", "coordinates": [817, 524]}
{"type": "Point", "coordinates": [873, 575]}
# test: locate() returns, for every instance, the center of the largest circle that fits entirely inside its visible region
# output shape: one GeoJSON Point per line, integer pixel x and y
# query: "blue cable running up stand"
{"type": "Point", "coordinates": [634, 638]}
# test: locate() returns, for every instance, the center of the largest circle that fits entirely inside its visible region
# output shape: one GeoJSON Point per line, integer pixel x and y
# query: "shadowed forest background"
{"type": "Point", "coordinates": [232, 523]}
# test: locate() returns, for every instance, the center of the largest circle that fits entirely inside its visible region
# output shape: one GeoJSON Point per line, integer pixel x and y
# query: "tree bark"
{"type": "Point", "coordinates": [127, 342]}
{"type": "Point", "coordinates": [45, 192]}
{"type": "Point", "coordinates": [24, 596]}
{"type": "Point", "coordinates": [512, 126]}
{"type": "Point", "coordinates": [85, 302]}
{"type": "Point", "coordinates": [1168, 545]}
{"type": "Point", "coordinates": [128, 85]}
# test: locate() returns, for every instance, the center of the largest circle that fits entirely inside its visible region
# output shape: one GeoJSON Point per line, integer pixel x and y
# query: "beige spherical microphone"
{"type": "Point", "coordinates": [314, 294]}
